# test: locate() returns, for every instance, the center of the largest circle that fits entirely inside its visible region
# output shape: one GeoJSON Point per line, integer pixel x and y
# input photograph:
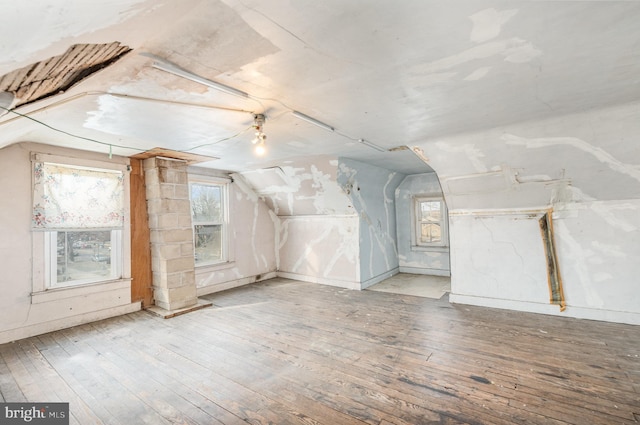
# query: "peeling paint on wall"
{"type": "Point", "coordinates": [371, 190]}
{"type": "Point", "coordinates": [478, 74]}
{"type": "Point", "coordinates": [305, 242]}
{"type": "Point", "coordinates": [514, 50]}
{"type": "Point", "coordinates": [487, 24]}
{"type": "Point", "coordinates": [304, 188]}
{"type": "Point", "coordinates": [600, 154]}
{"type": "Point", "coordinates": [472, 154]}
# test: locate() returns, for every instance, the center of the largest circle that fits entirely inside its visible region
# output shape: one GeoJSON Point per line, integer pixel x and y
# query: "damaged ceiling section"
{"type": "Point", "coordinates": [59, 73]}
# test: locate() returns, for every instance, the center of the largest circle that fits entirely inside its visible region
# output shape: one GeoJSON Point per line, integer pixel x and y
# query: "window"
{"type": "Point", "coordinates": [80, 210]}
{"type": "Point", "coordinates": [209, 218]}
{"type": "Point", "coordinates": [430, 221]}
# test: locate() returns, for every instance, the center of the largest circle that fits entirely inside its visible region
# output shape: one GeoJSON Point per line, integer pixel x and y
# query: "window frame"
{"type": "Point", "coordinates": [44, 241]}
{"type": "Point", "coordinates": [223, 184]}
{"type": "Point", "coordinates": [416, 223]}
{"type": "Point", "coordinates": [51, 263]}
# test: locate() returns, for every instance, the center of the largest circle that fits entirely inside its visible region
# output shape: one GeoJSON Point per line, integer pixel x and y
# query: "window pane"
{"type": "Point", "coordinates": [208, 241]}
{"type": "Point", "coordinates": [206, 203]}
{"type": "Point", "coordinates": [430, 233]}
{"type": "Point", "coordinates": [83, 255]}
{"type": "Point", "coordinates": [430, 211]}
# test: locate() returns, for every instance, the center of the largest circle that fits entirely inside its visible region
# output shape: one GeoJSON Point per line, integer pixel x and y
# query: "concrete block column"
{"type": "Point", "coordinates": [172, 257]}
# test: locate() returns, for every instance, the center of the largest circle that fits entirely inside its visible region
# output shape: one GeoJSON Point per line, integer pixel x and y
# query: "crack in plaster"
{"type": "Point", "coordinates": [511, 244]}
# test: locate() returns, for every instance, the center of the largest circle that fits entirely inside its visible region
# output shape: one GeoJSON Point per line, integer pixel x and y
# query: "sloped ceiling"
{"type": "Point", "coordinates": [392, 73]}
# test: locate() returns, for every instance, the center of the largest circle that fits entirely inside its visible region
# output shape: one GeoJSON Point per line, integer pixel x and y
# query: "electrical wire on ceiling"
{"type": "Point", "coordinates": [217, 141]}
{"type": "Point", "coordinates": [110, 145]}
{"type": "Point", "coordinates": [172, 68]}
{"type": "Point", "coordinates": [4, 110]}
{"type": "Point", "coordinates": [162, 64]}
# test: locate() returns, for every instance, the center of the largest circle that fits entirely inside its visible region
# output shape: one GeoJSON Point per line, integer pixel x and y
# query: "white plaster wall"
{"type": "Point", "coordinates": [22, 315]}
{"type": "Point", "coordinates": [371, 190]}
{"type": "Point", "coordinates": [252, 236]}
{"type": "Point", "coordinates": [587, 168]}
{"type": "Point", "coordinates": [422, 260]}
{"type": "Point", "coordinates": [321, 249]}
{"type": "Point", "coordinates": [492, 263]}
{"type": "Point", "coordinates": [598, 246]}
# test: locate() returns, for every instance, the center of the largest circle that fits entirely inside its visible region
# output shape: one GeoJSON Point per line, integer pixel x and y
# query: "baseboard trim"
{"type": "Point", "coordinates": [322, 281]}
{"type": "Point", "coordinates": [421, 270]}
{"type": "Point", "coordinates": [531, 307]}
{"type": "Point", "coordinates": [223, 286]}
{"type": "Point", "coordinates": [67, 322]}
{"type": "Point", "coordinates": [379, 278]}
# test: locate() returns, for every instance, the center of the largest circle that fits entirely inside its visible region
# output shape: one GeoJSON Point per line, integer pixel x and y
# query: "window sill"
{"type": "Point", "coordinates": [54, 294]}
{"type": "Point", "coordinates": [434, 248]}
{"type": "Point", "coordinates": [206, 268]}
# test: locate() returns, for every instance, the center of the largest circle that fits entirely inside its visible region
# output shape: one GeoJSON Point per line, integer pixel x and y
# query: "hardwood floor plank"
{"type": "Point", "coordinates": [9, 387]}
{"type": "Point", "coordinates": [290, 352]}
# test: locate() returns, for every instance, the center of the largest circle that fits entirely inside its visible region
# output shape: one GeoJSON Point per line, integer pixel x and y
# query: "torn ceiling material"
{"type": "Point", "coordinates": [59, 73]}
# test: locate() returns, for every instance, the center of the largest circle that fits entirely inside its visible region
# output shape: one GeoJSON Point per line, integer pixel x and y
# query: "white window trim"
{"type": "Point", "coordinates": [41, 240]}
{"type": "Point", "coordinates": [444, 225]}
{"type": "Point", "coordinates": [227, 241]}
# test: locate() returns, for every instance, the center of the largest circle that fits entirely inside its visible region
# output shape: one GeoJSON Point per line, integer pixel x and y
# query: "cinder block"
{"type": "Point", "coordinates": [187, 249]}
{"type": "Point", "coordinates": [181, 191]}
{"type": "Point", "coordinates": [168, 221]}
{"type": "Point", "coordinates": [153, 221]}
{"type": "Point", "coordinates": [152, 191]}
{"type": "Point", "coordinates": [148, 164]}
{"type": "Point", "coordinates": [184, 220]}
{"type": "Point", "coordinates": [169, 251]}
{"type": "Point", "coordinates": [170, 163]}
{"type": "Point", "coordinates": [168, 175]}
{"type": "Point", "coordinates": [177, 235]}
{"type": "Point", "coordinates": [174, 265]}
{"type": "Point", "coordinates": [167, 190]}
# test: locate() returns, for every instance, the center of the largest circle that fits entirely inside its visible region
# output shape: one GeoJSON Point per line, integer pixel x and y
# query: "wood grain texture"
{"type": "Point", "coordinates": [287, 352]}
{"type": "Point", "coordinates": [142, 278]}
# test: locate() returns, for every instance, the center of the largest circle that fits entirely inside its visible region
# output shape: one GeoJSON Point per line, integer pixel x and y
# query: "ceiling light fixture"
{"type": "Point", "coordinates": [174, 69]}
{"type": "Point", "coordinates": [314, 121]}
{"type": "Point", "coordinates": [260, 139]}
{"type": "Point", "coordinates": [371, 145]}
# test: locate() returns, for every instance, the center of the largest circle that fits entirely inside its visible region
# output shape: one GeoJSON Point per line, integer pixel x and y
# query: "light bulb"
{"type": "Point", "coordinates": [260, 149]}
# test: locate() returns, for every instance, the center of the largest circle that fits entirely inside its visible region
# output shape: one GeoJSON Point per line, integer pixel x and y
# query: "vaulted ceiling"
{"type": "Point", "coordinates": [392, 73]}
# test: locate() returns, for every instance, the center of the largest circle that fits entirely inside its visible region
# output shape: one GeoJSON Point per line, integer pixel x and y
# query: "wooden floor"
{"type": "Point", "coordinates": [286, 352]}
